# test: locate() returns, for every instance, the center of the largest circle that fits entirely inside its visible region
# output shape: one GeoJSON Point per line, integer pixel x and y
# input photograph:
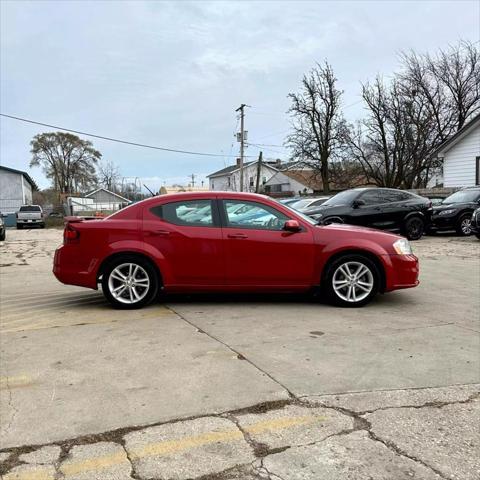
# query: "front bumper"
{"type": "Point", "coordinates": [401, 271]}
{"type": "Point", "coordinates": [475, 225]}
{"type": "Point", "coordinates": [443, 222]}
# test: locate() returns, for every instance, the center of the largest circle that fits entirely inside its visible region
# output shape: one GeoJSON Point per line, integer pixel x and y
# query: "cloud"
{"type": "Point", "coordinates": [173, 73]}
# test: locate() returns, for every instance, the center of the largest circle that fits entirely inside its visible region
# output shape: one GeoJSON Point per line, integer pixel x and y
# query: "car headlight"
{"type": "Point", "coordinates": [447, 212]}
{"type": "Point", "coordinates": [317, 216]}
{"type": "Point", "coordinates": [402, 247]}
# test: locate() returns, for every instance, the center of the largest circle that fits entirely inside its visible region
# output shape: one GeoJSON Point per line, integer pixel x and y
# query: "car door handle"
{"type": "Point", "coordinates": [162, 233]}
{"type": "Point", "coordinates": [237, 235]}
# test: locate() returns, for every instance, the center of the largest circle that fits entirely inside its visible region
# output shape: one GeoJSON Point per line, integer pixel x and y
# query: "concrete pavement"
{"type": "Point", "coordinates": [239, 387]}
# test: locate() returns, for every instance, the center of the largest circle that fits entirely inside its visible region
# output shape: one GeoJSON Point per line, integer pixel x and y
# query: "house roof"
{"type": "Point", "coordinates": [108, 191]}
{"type": "Point", "coordinates": [456, 137]}
{"type": "Point", "coordinates": [233, 168]}
{"type": "Point", "coordinates": [25, 174]}
{"type": "Point", "coordinates": [306, 177]}
{"type": "Point", "coordinates": [227, 170]}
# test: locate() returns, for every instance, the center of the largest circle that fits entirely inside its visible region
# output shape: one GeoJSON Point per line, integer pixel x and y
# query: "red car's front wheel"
{"type": "Point", "coordinates": [129, 282]}
{"type": "Point", "coordinates": [352, 281]}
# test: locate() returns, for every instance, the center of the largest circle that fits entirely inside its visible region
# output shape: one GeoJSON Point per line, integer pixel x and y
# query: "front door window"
{"type": "Point", "coordinates": [253, 215]}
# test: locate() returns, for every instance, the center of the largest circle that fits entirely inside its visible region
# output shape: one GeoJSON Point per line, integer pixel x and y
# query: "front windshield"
{"type": "Point", "coordinates": [464, 196]}
{"type": "Point", "coordinates": [342, 198]}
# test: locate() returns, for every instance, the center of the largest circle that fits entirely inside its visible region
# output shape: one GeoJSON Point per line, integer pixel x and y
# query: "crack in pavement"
{"type": "Point", "coordinates": [398, 451]}
{"type": "Point", "coordinates": [236, 352]}
{"type": "Point", "coordinates": [364, 424]}
{"type": "Point", "coordinates": [260, 450]}
{"type": "Point", "coordinates": [10, 404]}
{"type": "Point", "coordinates": [433, 404]}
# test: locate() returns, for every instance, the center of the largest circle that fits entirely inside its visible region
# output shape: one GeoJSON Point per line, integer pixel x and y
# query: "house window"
{"type": "Point", "coordinates": [213, 186]}
{"type": "Point", "coordinates": [229, 181]}
{"type": "Point", "coordinates": [477, 171]}
{"type": "Point", "coordinates": [251, 181]}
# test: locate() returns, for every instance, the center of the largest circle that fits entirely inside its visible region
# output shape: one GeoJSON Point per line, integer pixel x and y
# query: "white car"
{"type": "Point", "coordinates": [305, 203]}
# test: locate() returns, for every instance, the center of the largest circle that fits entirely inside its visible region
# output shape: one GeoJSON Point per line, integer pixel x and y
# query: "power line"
{"type": "Point", "coordinates": [110, 139]}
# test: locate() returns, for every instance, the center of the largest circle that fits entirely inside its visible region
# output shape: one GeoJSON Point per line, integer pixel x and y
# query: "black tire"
{"type": "Point", "coordinates": [148, 294]}
{"type": "Point", "coordinates": [333, 270]}
{"type": "Point", "coordinates": [463, 227]}
{"type": "Point", "coordinates": [42, 225]}
{"type": "Point", "coordinates": [477, 235]}
{"type": "Point", "coordinates": [19, 227]}
{"type": "Point", "coordinates": [2, 236]}
{"type": "Point", "coordinates": [413, 228]}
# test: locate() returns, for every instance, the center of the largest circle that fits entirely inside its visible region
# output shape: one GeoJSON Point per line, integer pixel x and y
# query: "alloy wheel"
{"type": "Point", "coordinates": [415, 228]}
{"type": "Point", "coordinates": [353, 281]}
{"type": "Point", "coordinates": [466, 226]}
{"type": "Point", "coordinates": [128, 283]}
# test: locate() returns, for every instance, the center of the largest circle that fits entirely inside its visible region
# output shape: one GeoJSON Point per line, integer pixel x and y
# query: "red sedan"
{"type": "Point", "coordinates": [223, 241]}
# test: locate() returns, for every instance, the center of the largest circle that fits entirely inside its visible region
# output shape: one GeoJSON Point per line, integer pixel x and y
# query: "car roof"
{"type": "Point", "coordinates": [211, 194]}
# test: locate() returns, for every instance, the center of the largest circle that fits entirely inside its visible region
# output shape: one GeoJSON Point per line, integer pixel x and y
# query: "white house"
{"type": "Point", "coordinates": [16, 189]}
{"type": "Point", "coordinates": [100, 200]}
{"type": "Point", "coordinates": [461, 156]}
{"type": "Point", "coordinates": [228, 179]}
{"type": "Point", "coordinates": [293, 182]}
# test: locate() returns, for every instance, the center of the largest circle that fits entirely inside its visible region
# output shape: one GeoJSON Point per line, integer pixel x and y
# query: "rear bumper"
{"type": "Point", "coordinates": [68, 268]}
{"type": "Point", "coordinates": [33, 221]}
{"type": "Point", "coordinates": [401, 271]}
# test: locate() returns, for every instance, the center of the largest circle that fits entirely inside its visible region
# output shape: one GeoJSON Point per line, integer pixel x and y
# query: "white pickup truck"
{"type": "Point", "coordinates": [30, 215]}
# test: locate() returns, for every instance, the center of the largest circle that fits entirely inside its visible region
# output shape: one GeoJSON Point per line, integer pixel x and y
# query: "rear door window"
{"type": "Point", "coordinates": [372, 197]}
{"type": "Point", "coordinates": [193, 213]}
{"type": "Point", "coordinates": [391, 196]}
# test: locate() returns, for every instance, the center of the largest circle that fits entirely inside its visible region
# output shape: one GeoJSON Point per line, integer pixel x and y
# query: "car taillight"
{"type": "Point", "coordinates": [70, 235]}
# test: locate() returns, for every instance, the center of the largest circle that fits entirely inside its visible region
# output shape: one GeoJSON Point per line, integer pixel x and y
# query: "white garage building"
{"type": "Point", "coordinates": [461, 156]}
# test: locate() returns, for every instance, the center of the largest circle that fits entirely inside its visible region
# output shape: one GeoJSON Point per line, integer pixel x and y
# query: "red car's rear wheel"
{"type": "Point", "coordinates": [130, 282]}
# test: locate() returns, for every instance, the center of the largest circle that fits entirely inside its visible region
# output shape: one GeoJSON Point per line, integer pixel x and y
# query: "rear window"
{"type": "Point", "coordinates": [194, 213]}
{"type": "Point", "coordinates": [30, 208]}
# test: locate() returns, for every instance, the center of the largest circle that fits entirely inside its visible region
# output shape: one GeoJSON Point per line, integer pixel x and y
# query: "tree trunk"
{"type": "Point", "coordinates": [325, 176]}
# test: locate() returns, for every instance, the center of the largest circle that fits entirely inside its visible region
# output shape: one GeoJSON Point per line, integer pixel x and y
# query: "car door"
{"type": "Point", "coordinates": [394, 209]}
{"type": "Point", "coordinates": [258, 252]}
{"type": "Point", "coordinates": [368, 214]}
{"type": "Point", "coordinates": [188, 234]}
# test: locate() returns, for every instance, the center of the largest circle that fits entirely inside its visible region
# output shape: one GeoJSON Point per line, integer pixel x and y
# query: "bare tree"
{"type": "Point", "coordinates": [317, 122]}
{"type": "Point", "coordinates": [428, 100]}
{"type": "Point", "coordinates": [458, 71]}
{"type": "Point", "coordinates": [66, 159]}
{"type": "Point", "coordinates": [108, 175]}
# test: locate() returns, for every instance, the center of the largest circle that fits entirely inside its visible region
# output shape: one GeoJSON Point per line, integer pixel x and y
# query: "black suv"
{"type": "Point", "coordinates": [383, 208]}
{"type": "Point", "coordinates": [476, 223]}
{"type": "Point", "coordinates": [455, 212]}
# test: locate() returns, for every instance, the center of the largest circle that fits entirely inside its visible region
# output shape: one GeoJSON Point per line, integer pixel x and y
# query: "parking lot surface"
{"type": "Point", "coordinates": [239, 387]}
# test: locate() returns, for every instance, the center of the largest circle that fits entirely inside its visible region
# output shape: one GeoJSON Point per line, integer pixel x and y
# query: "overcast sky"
{"type": "Point", "coordinates": [173, 73]}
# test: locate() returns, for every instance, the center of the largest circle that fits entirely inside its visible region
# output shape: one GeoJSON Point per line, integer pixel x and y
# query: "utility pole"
{"type": "Point", "coordinates": [193, 180]}
{"type": "Point", "coordinates": [259, 172]}
{"type": "Point", "coordinates": [241, 109]}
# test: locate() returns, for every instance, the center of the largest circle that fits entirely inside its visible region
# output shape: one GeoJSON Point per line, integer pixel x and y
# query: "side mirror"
{"type": "Point", "coordinates": [292, 226]}
{"type": "Point", "coordinates": [358, 203]}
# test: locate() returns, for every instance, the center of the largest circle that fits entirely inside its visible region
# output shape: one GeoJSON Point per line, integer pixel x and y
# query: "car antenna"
{"type": "Point", "coordinates": [149, 190]}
